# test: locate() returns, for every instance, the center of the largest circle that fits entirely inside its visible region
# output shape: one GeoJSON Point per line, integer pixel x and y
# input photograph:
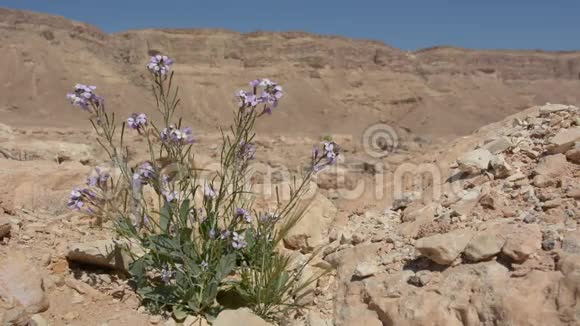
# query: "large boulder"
{"type": "Point", "coordinates": [564, 140]}
{"type": "Point", "coordinates": [104, 253]}
{"type": "Point", "coordinates": [313, 227]}
{"type": "Point", "coordinates": [467, 202]}
{"type": "Point", "coordinates": [498, 145]}
{"type": "Point", "coordinates": [444, 248]}
{"type": "Point", "coordinates": [522, 241]}
{"type": "Point", "coordinates": [472, 294]}
{"type": "Point", "coordinates": [484, 245]}
{"type": "Point", "coordinates": [573, 155]}
{"type": "Point", "coordinates": [552, 166]}
{"type": "Point", "coordinates": [475, 161]}
{"type": "Point", "coordinates": [21, 290]}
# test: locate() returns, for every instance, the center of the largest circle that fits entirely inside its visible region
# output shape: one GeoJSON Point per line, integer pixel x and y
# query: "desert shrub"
{"type": "Point", "coordinates": [205, 237]}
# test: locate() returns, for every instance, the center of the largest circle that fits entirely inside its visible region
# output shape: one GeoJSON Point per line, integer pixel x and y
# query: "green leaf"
{"type": "Point", "coordinates": [184, 212]}
{"type": "Point", "coordinates": [192, 266]}
{"type": "Point", "coordinates": [225, 266]}
{"type": "Point", "coordinates": [145, 291]}
{"type": "Point", "coordinates": [165, 217]}
{"type": "Point", "coordinates": [193, 305]}
{"type": "Point", "coordinates": [163, 244]}
{"type": "Point", "coordinates": [250, 237]}
{"type": "Point", "coordinates": [179, 313]}
{"type": "Point", "coordinates": [211, 292]}
{"type": "Point", "coordinates": [185, 238]}
{"type": "Point", "coordinates": [137, 268]}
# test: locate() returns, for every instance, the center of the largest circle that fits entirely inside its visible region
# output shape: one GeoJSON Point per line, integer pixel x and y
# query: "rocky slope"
{"type": "Point", "coordinates": [498, 247]}
{"type": "Point", "coordinates": [334, 84]}
{"type": "Point", "coordinates": [487, 236]}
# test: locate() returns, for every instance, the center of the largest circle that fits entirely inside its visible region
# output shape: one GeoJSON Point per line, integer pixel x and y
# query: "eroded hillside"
{"type": "Point", "coordinates": [335, 84]}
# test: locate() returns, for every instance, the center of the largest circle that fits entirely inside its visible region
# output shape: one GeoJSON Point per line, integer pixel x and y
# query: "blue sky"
{"type": "Point", "coordinates": [406, 24]}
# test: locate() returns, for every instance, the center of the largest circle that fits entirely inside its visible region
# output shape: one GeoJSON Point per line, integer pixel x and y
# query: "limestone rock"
{"type": "Point", "coordinates": [564, 140]}
{"type": "Point", "coordinates": [568, 299]}
{"type": "Point", "coordinates": [551, 166]}
{"type": "Point", "coordinates": [103, 253]}
{"type": "Point", "coordinates": [470, 294]}
{"type": "Point", "coordinates": [573, 155]}
{"type": "Point", "coordinates": [522, 241]}
{"type": "Point", "coordinates": [568, 263]}
{"type": "Point", "coordinates": [38, 320]}
{"type": "Point", "coordinates": [335, 177]}
{"type": "Point", "coordinates": [542, 181]}
{"type": "Point", "coordinates": [467, 202]}
{"type": "Point", "coordinates": [5, 226]}
{"type": "Point", "coordinates": [405, 200]}
{"type": "Point", "coordinates": [423, 212]}
{"type": "Point", "coordinates": [475, 161]}
{"type": "Point", "coordinates": [312, 229]}
{"type": "Point", "coordinates": [573, 193]}
{"type": "Point", "coordinates": [444, 248]}
{"type": "Point", "coordinates": [314, 319]}
{"type": "Point", "coordinates": [498, 145]}
{"type": "Point", "coordinates": [571, 242]}
{"type": "Point", "coordinates": [365, 269]}
{"type": "Point", "coordinates": [22, 289]}
{"type": "Point", "coordinates": [501, 169]}
{"type": "Point", "coordinates": [420, 217]}
{"type": "Point", "coordinates": [242, 316]}
{"type": "Point", "coordinates": [484, 245]}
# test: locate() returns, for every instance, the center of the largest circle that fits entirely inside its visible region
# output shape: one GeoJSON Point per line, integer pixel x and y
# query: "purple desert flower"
{"type": "Point", "coordinates": [209, 192]}
{"type": "Point", "coordinates": [146, 172]}
{"type": "Point", "coordinates": [137, 182]}
{"type": "Point", "coordinates": [238, 241]}
{"type": "Point", "coordinates": [254, 83]}
{"type": "Point", "coordinates": [170, 195]}
{"type": "Point", "coordinates": [270, 95]}
{"type": "Point", "coordinates": [159, 64]}
{"type": "Point", "coordinates": [84, 96]}
{"type": "Point", "coordinates": [75, 199]}
{"type": "Point", "coordinates": [315, 153]}
{"type": "Point", "coordinates": [224, 234]}
{"type": "Point", "coordinates": [247, 151]}
{"type": "Point", "coordinates": [188, 135]}
{"type": "Point", "coordinates": [242, 213]}
{"type": "Point", "coordinates": [137, 121]}
{"type": "Point", "coordinates": [269, 217]}
{"type": "Point", "coordinates": [330, 152]}
{"type": "Point", "coordinates": [248, 99]}
{"type": "Point", "coordinates": [99, 179]}
{"type": "Point", "coordinates": [146, 220]}
{"type": "Point", "coordinates": [177, 136]}
{"type": "Point", "coordinates": [166, 275]}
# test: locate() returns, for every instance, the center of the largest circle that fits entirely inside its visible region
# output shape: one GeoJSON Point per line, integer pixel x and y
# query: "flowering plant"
{"type": "Point", "coordinates": [204, 237]}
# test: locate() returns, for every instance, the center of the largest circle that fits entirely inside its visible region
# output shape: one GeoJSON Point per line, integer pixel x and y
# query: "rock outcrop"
{"type": "Point", "coordinates": [500, 234]}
